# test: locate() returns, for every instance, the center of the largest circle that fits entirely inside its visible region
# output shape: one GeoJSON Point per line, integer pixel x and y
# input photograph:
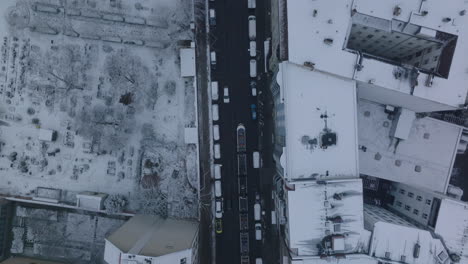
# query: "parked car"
{"type": "Point", "coordinates": [245, 259]}
{"type": "Point", "coordinates": [252, 28]}
{"type": "Point", "coordinates": [253, 109]}
{"type": "Point", "coordinates": [258, 261]}
{"type": "Point", "coordinates": [244, 242]}
{"type": "Point", "coordinates": [217, 187]}
{"type": "Point", "coordinates": [258, 231]}
{"type": "Point", "coordinates": [252, 4]}
{"type": "Point", "coordinates": [217, 151]}
{"type": "Point", "coordinates": [257, 211]}
{"type": "Point", "coordinates": [244, 222]}
{"type": "Point", "coordinates": [215, 112]}
{"type": "Point", "coordinates": [218, 226]}
{"type": "Point", "coordinates": [213, 59]}
{"type": "Point", "coordinates": [256, 159]}
{"type": "Point", "coordinates": [217, 171]}
{"type": "Point", "coordinates": [212, 17]}
{"type": "Point", "coordinates": [216, 132]}
{"type": "Point", "coordinates": [253, 48]}
{"type": "Point", "coordinates": [253, 68]}
{"type": "Point", "coordinates": [226, 95]}
{"type": "Point", "coordinates": [214, 90]}
{"type": "Point", "coordinates": [241, 143]}
{"type": "Point", "coordinates": [219, 208]}
{"type": "Point", "coordinates": [253, 87]}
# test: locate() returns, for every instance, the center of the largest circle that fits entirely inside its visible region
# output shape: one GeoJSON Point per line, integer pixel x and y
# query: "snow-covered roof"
{"type": "Point", "coordinates": [332, 21]}
{"type": "Point", "coordinates": [452, 226]}
{"type": "Point", "coordinates": [153, 236]}
{"type": "Point", "coordinates": [349, 259]}
{"type": "Point", "coordinates": [315, 103]}
{"type": "Point", "coordinates": [187, 62]}
{"type": "Point", "coordinates": [191, 135]}
{"type": "Point", "coordinates": [312, 208]}
{"type": "Point", "coordinates": [46, 134]}
{"type": "Point", "coordinates": [406, 244]}
{"type": "Point", "coordinates": [432, 145]}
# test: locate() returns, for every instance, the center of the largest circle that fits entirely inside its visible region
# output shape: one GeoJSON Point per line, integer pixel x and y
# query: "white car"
{"type": "Point", "coordinates": [226, 95]}
{"type": "Point", "coordinates": [253, 68]}
{"type": "Point", "coordinates": [219, 208]}
{"type": "Point", "coordinates": [215, 112]}
{"type": "Point", "coordinates": [252, 4]}
{"type": "Point", "coordinates": [258, 231]}
{"type": "Point", "coordinates": [253, 48]}
{"type": "Point", "coordinates": [217, 188]}
{"type": "Point", "coordinates": [217, 171]}
{"type": "Point", "coordinates": [216, 132]}
{"type": "Point", "coordinates": [214, 91]}
{"type": "Point", "coordinates": [217, 151]}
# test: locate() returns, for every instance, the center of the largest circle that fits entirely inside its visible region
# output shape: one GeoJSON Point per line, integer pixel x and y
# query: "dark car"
{"type": "Point", "coordinates": [241, 164]}
{"type": "Point", "coordinates": [243, 204]}
{"type": "Point", "coordinates": [243, 186]}
{"type": "Point", "coordinates": [244, 222]}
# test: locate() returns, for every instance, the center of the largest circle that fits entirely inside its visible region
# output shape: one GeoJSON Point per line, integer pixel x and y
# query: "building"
{"type": "Point", "coordinates": [315, 125]}
{"type": "Point", "coordinates": [374, 214]}
{"type": "Point", "coordinates": [6, 211]}
{"type": "Point", "coordinates": [349, 259]}
{"type": "Point", "coordinates": [146, 239]}
{"type": "Point", "coordinates": [406, 55]}
{"type": "Point", "coordinates": [424, 159]}
{"type": "Point", "coordinates": [322, 219]}
{"type": "Point", "coordinates": [396, 244]}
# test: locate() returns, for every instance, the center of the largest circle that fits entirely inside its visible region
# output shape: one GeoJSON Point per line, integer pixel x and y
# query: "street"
{"type": "Point", "coordinates": [230, 40]}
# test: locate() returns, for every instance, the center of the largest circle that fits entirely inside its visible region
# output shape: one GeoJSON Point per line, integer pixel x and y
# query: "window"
{"type": "Point", "coordinates": [428, 201]}
{"type": "Point", "coordinates": [419, 198]}
{"type": "Point", "coordinates": [398, 203]}
{"type": "Point", "coordinates": [424, 216]}
{"type": "Point", "coordinates": [402, 191]}
{"type": "Point", "coordinates": [407, 207]}
{"type": "Point", "coordinates": [410, 195]}
{"type": "Point", "coordinates": [416, 211]}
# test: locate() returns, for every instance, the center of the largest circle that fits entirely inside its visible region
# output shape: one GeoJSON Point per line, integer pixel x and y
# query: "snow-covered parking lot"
{"type": "Point", "coordinates": [92, 100]}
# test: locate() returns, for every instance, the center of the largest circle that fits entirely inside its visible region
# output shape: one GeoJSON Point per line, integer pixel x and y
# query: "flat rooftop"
{"type": "Point", "coordinates": [431, 145]}
{"type": "Point", "coordinates": [397, 243]}
{"type": "Point", "coordinates": [311, 209]}
{"type": "Point", "coordinates": [350, 259]}
{"type": "Point", "coordinates": [153, 236]}
{"type": "Point", "coordinates": [317, 105]}
{"type": "Point", "coordinates": [327, 43]}
{"type": "Point", "coordinates": [452, 225]}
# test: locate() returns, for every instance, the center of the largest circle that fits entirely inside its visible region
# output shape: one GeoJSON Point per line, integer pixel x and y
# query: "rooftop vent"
{"type": "Point", "coordinates": [328, 139]}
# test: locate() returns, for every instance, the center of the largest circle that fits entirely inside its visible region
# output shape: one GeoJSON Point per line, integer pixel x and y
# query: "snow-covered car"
{"type": "Point", "coordinates": [253, 48]}
{"type": "Point", "coordinates": [256, 159]}
{"type": "Point", "coordinates": [214, 91]}
{"type": "Point", "coordinates": [252, 28]}
{"type": "Point", "coordinates": [253, 68]}
{"type": "Point", "coordinates": [219, 208]}
{"type": "Point", "coordinates": [217, 187]}
{"type": "Point", "coordinates": [212, 17]}
{"type": "Point", "coordinates": [215, 112]}
{"type": "Point", "coordinates": [257, 212]}
{"type": "Point", "coordinates": [252, 3]}
{"type": "Point", "coordinates": [217, 171]}
{"type": "Point", "coordinates": [216, 132]}
{"type": "Point", "coordinates": [217, 151]}
{"type": "Point", "coordinates": [226, 95]}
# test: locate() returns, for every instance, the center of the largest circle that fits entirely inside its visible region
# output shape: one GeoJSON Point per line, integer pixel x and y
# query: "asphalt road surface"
{"type": "Point", "coordinates": [230, 40]}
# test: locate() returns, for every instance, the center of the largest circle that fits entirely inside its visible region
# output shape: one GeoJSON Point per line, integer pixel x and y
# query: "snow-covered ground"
{"type": "Point", "coordinates": [105, 76]}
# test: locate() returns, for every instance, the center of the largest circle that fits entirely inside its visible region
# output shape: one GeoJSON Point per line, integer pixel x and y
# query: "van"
{"type": "Point", "coordinates": [253, 68]}
{"type": "Point", "coordinates": [252, 28]}
{"type": "Point", "coordinates": [257, 212]}
{"type": "Point", "coordinates": [256, 159]}
{"type": "Point", "coordinates": [215, 110]}
{"type": "Point", "coordinates": [212, 17]}
{"type": "Point", "coordinates": [252, 4]}
{"type": "Point", "coordinates": [218, 188]}
{"type": "Point", "coordinates": [217, 171]}
{"type": "Point", "coordinates": [253, 48]}
{"type": "Point", "coordinates": [213, 59]}
{"type": "Point", "coordinates": [216, 132]}
{"type": "Point", "coordinates": [214, 90]}
{"type": "Point", "coordinates": [258, 231]}
{"type": "Point", "coordinates": [217, 151]}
